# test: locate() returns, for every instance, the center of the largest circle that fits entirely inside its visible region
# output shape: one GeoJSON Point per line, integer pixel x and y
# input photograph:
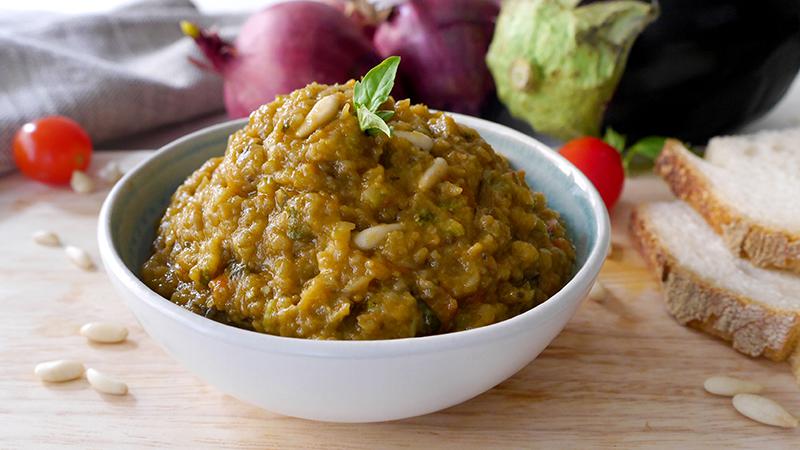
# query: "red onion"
{"type": "Point", "coordinates": [362, 12]}
{"type": "Point", "coordinates": [282, 48]}
{"type": "Point", "coordinates": [443, 44]}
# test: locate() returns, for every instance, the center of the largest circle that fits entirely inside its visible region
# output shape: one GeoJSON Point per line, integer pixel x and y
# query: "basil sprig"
{"type": "Point", "coordinates": [638, 157]}
{"type": "Point", "coordinates": [643, 154]}
{"type": "Point", "coordinates": [371, 92]}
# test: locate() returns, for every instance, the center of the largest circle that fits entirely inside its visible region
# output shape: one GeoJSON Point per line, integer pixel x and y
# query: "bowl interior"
{"type": "Point", "coordinates": [142, 196]}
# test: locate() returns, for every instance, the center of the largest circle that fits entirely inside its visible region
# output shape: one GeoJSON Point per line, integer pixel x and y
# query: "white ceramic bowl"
{"type": "Point", "coordinates": [346, 381]}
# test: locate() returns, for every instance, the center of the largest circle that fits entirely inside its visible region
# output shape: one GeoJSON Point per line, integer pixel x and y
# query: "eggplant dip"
{"type": "Point", "coordinates": [319, 222]}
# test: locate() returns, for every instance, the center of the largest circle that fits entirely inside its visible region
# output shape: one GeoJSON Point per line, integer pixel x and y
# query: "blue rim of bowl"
{"type": "Point", "coordinates": [367, 349]}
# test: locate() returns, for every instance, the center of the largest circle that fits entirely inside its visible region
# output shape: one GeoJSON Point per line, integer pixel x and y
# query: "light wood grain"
{"type": "Point", "coordinates": [622, 374]}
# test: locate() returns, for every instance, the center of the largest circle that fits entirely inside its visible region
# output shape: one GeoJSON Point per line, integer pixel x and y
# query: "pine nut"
{"type": "Point", "coordinates": [416, 138]}
{"type": "Point", "coordinates": [110, 173]}
{"type": "Point", "coordinates": [104, 332]}
{"type": "Point", "coordinates": [79, 257]}
{"type": "Point", "coordinates": [321, 113]}
{"type": "Point", "coordinates": [47, 238]}
{"type": "Point", "coordinates": [81, 183]}
{"type": "Point", "coordinates": [59, 370]}
{"type": "Point", "coordinates": [369, 238]}
{"type": "Point", "coordinates": [105, 384]}
{"type": "Point", "coordinates": [763, 410]}
{"type": "Point", "coordinates": [598, 292]}
{"type": "Point", "coordinates": [729, 386]}
{"type": "Point", "coordinates": [433, 174]}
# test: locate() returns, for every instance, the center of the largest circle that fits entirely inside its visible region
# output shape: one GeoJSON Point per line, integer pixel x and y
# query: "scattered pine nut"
{"type": "Point", "coordinates": [59, 370]}
{"type": "Point", "coordinates": [763, 410]}
{"type": "Point", "coordinates": [81, 183]}
{"type": "Point", "coordinates": [729, 386]}
{"type": "Point", "coordinates": [79, 257]}
{"type": "Point", "coordinates": [433, 174]}
{"type": "Point", "coordinates": [369, 238]}
{"type": "Point", "coordinates": [48, 238]}
{"type": "Point", "coordinates": [104, 332]}
{"type": "Point", "coordinates": [321, 113]}
{"type": "Point", "coordinates": [599, 291]}
{"type": "Point", "coordinates": [110, 173]}
{"type": "Point", "coordinates": [105, 384]}
{"type": "Point", "coordinates": [416, 138]}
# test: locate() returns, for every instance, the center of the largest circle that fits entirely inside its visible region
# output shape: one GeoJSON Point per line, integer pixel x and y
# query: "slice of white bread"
{"type": "Point", "coordinates": [747, 189]}
{"type": "Point", "coordinates": [707, 287]}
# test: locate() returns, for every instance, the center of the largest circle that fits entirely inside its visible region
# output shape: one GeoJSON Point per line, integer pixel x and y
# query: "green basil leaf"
{"type": "Point", "coordinates": [649, 147]}
{"type": "Point", "coordinates": [615, 139]}
{"type": "Point", "coordinates": [377, 84]}
{"type": "Point", "coordinates": [370, 122]}
{"type": "Point", "coordinates": [643, 153]}
{"type": "Point", "coordinates": [385, 114]}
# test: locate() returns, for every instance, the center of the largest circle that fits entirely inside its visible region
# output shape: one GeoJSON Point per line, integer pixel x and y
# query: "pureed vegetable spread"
{"type": "Point", "coordinates": [344, 234]}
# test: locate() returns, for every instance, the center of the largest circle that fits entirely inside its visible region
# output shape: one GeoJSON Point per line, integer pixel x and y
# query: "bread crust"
{"type": "Point", "coordinates": [752, 328]}
{"type": "Point", "coordinates": [794, 362]}
{"type": "Point", "coordinates": [764, 246]}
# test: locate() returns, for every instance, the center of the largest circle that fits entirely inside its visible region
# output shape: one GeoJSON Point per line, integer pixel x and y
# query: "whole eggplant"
{"type": "Point", "coordinates": [705, 67]}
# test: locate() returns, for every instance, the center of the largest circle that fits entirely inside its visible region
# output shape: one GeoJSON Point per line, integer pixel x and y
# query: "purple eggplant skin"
{"type": "Point", "coordinates": [706, 67]}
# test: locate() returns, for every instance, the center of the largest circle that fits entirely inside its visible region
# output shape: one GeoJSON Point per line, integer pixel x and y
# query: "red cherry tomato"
{"type": "Point", "coordinates": [601, 163]}
{"type": "Point", "coordinates": [51, 148]}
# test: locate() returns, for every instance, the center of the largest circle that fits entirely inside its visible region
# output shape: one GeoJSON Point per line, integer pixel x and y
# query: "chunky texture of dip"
{"type": "Point", "coordinates": [309, 227]}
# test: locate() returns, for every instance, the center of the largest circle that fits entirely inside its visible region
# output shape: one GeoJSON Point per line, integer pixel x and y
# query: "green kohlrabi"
{"type": "Point", "coordinates": [556, 64]}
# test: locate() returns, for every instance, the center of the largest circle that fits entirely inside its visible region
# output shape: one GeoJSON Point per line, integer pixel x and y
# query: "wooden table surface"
{"type": "Point", "coordinates": [622, 373]}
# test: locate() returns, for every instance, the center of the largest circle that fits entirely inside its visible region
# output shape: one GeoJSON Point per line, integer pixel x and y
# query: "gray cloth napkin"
{"type": "Point", "coordinates": [115, 74]}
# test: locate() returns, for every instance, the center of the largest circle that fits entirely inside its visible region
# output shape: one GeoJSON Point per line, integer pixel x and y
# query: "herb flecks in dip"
{"type": "Point", "coordinates": [335, 233]}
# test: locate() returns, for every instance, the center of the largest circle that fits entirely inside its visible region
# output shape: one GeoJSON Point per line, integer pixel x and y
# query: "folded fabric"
{"type": "Point", "coordinates": [116, 73]}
